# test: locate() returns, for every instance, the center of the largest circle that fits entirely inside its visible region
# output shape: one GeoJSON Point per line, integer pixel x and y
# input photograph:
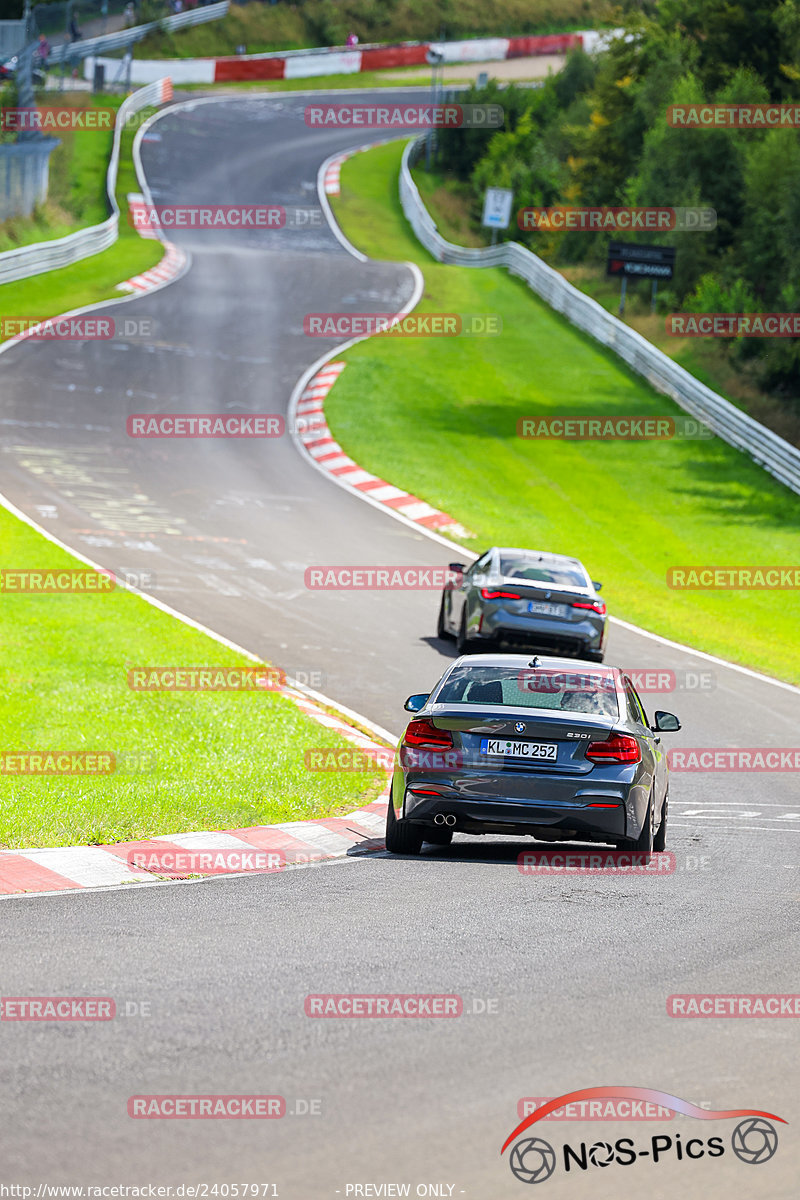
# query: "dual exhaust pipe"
{"type": "Point", "coordinates": [444, 819]}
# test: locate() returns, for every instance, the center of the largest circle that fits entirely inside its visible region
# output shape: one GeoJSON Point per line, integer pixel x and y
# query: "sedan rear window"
{"type": "Point", "coordinates": [590, 692]}
{"type": "Point", "coordinates": [536, 571]}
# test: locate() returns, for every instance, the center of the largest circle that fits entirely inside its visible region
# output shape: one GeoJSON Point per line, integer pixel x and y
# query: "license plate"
{"type": "Point", "coordinates": [545, 610]}
{"type": "Point", "coordinates": [501, 748]}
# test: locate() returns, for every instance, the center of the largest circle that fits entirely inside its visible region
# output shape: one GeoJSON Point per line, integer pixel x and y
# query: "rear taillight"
{"type": "Point", "coordinates": [596, 606]}
{"type": "Point", "coordinates": [425, 733]}
{"type": "Point", "coordinates": [618, 748]}
{"type": "Point", "coordinates": [497, 594]}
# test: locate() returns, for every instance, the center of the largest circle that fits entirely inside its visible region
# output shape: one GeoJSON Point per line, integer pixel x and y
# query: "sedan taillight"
{"type": "Point", "coordinates": [596, 606]}
{"type": "Point", "coordinates": [425, 733]}
{"type": "Point", "coordinates": [497, 594]}
{"type": "Point", "coordinates": [620, 747]}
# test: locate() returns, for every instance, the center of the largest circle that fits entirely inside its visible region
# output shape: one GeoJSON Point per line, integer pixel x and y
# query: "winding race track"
{"type": "Point", "coordinates": [564, 980]}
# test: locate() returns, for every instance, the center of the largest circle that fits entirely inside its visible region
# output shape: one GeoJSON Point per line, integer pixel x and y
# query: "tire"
{"type": "Point", "coordinates": [441, 628]}
{"type": "Point", "coordinates": [644, 843]}
{"type": "Point", "coordinates": [438, 836]}
{"type": "Point", "coordinates": [660, 839]}
{"type": "Point", "coordinates": [401, 836]}
{"type": "Point", "coordinates": [463, 643]}
{"type": "Point", "coordinates": [594, 656]}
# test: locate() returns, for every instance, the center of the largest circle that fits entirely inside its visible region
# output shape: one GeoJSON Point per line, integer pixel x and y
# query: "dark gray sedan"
{"type": "Point", "coordinates": [524, 598]}
{"type": "Point", "coordinates": [511, 745]}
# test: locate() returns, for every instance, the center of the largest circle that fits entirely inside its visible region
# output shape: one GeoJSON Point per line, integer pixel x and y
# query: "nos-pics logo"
{"type": "Point", "coordinates": [533, 1160]}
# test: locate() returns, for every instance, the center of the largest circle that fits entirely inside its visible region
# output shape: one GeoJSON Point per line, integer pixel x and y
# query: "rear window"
{"type": "Point", "coordinates": [535, 571]}
{"type": "Point", "coordinates": [589, 692]}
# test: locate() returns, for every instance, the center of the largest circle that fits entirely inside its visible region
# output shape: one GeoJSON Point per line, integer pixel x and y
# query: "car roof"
{"type": "Point", "coordinates": [544, 555]}
{"type": "Point", "coordinates": [574, 666]}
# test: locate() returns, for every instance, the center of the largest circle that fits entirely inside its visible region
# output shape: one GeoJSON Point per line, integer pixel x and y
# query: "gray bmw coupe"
{"type": "Point", "coordinates": [545, 746]}
{"type": "Point", "coordinates": [524, 598]}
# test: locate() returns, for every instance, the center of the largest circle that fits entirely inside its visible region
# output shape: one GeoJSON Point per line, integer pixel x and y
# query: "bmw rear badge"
{"type": "Point", "coordinates": [520, 727]}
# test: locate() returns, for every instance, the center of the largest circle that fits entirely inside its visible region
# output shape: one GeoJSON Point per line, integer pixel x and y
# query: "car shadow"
{"type": "Point", "coordinates": [472, 850]}
{"type": "Point", "coordinates": [444, 646]}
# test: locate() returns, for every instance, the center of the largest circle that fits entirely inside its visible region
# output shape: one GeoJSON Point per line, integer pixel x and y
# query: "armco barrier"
{"type": "Point", "coordinates": [765, 447]}
{"type": "Point", "coordinates": [49, 256]}
{"type": "Point", "coordinates": [90, 47]}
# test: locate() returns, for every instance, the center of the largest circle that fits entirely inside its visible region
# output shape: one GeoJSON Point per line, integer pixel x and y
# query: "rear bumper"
{"type": "Point", "coordinates": [522, 817]}
{"type": "Point", "coordinates": [567, 637]}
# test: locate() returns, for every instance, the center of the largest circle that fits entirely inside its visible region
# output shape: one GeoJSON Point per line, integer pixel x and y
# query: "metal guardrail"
{"type": "Point", "coordinates": [728, 422]}
{"type": "Point", "coordinates": [62, 252]}
{"type": "Point", "coordinates": [73, 51]}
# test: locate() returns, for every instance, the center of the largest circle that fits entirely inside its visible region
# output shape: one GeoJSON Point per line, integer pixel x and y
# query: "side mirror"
{"type": "Point", "coordinates": [666, 723]}
{"type": "Point", "coordinates": [416, 703]}
{"type": "Point", "coordinates": [457, 568]}
{"type": "Point", "coordinates": [598, 587]}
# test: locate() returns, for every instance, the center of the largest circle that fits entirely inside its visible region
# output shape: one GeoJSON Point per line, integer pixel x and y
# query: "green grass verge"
{"type": "Point", "coordinates": [92, 279]}
{"type": "Point", "coordinates": [438, 417]}
{"type": "Point", "coordinates": [188, 760]}
{"type": "Point", "coordinates": [401, 77]}
{"type": "Point", "coordinates": [452, 205]}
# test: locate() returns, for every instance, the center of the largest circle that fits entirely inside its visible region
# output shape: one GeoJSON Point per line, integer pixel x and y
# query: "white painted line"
{"type": "Point", "coordinates": [748, 828]}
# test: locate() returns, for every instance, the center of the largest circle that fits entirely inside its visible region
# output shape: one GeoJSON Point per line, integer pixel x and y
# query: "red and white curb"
{"type": "Point", "coordinates": [313, 431]}
{"type": "Point", "coordinates": [332, 171]}
{"type": "Point", "coordinates": [170, 267]}
{"type": "Point", "coordinates": [296, 843]}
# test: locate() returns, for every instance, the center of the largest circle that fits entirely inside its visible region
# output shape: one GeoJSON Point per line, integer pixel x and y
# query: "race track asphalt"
{"type": "Point", "coordinates": [572, 973]}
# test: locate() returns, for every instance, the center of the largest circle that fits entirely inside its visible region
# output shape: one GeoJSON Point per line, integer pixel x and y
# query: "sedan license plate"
{"type": "Point", "coordinates": [534, 750]}
{"type": "Point", "coordinates": [545, 610]}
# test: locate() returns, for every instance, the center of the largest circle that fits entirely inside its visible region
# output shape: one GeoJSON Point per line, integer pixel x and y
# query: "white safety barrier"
{"type": "Point", "coordinates": [62, 252]}
{"type": "Point", "coordinates": [729, 423]}
{"type": "Point", "coordinates": [73, 51]}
